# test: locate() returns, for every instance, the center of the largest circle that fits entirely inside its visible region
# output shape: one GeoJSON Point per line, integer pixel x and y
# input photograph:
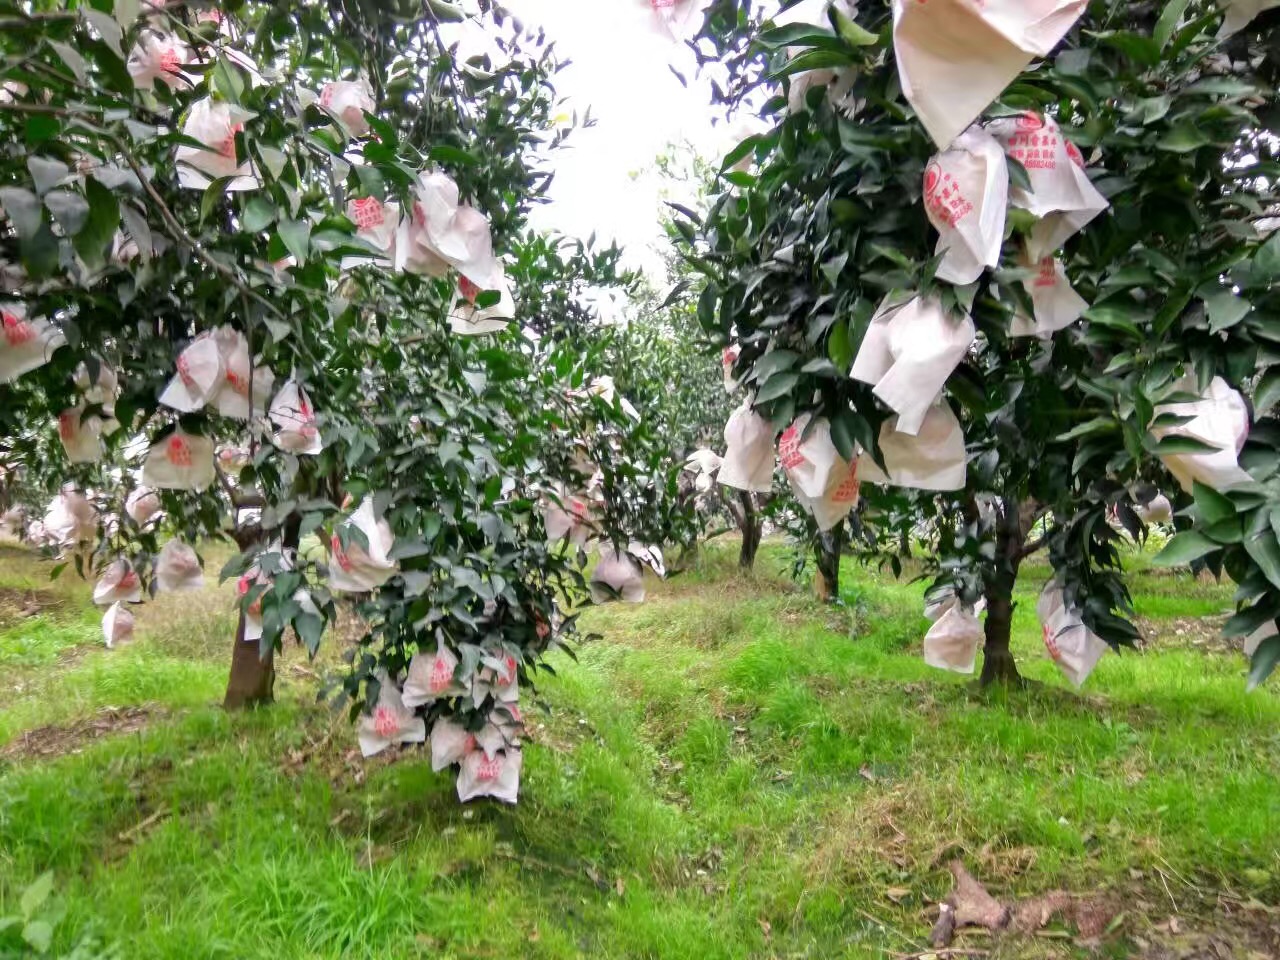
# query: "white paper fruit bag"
{"type": "Point", "coordinates": [349, 101]}
{"type": "Point", "coordinates": [142, 505]}
{"type": "Point", "coordinates": [295, 421]}
{"type": "Point", "coordinates": [485, 774]}
{"type": "Point", "coordinates": [118, 583]}
{"type": "Point", "coordinates": [24, 344]}
{"type": "Point", "coordinates": [178, 568]}
{"type": "Point", "coordinates": [1070, 644]}
{"type": "Point", "coordinates": [117, 625]}
{"type": "Point", "coordinates": [391, 721]}
{"type": "Point", "coordinates": [214, 125]}
{"type": "Point", "coordinates": [617, 576]}
{"type": "Point", "coordinates": [966, 196]}
{"type": "Point", "coordinates": [81, 436]}
{"type": "Point", "coordinates": [909, 351]}
{"type": "Point", "coordinates": [748, 457]}
{"type": "Point", "coordinates": [573, 518]}
{"type": "Point", "coordinates": [676, 20]}
{"type": "Point", "coordinates": [824, 483]}
{"type": "Point", "coordinates": [199, 376]}
{"type": "Point", "coordinates": [1061, 194]}
{"type": "Point", "coordinates": [431, 677]}
{"type": "Point", "coordinates": [1219, 418]}
{"type": "Point", "coordinates": [1240, 12]}
{"type": "Point", "coordinates": [244, 382]}
{"type": "Point", "coordinates": [1054, 303]}
{"type": "Point", "coordinates": [353, 569]}
{"type": "Point", "coordinates": [181, 461]}
{"type": "Point", "coordinates": [933, 459]}
{"type": "Point", "coordinates": [71, 519]}
{"type": "Point", "coordinates": [468, 319]}
{"type": "Point", "coordinates": [953, 640]}
{"type": "Point", "coordinates": [1156, 510]}
{"type": "Point", "coordinates": [956, 56]}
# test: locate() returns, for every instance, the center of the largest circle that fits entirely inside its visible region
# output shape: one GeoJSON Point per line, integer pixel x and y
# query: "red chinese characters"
{"type": "Point", "coordinates": [943, 197]}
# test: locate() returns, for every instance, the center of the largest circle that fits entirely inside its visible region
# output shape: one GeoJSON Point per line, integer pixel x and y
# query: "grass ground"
{"type": "Point", "coordinates": [731, 772]}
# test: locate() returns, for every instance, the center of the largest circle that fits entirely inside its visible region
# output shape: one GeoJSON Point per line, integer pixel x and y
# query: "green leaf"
{"type": "Point", "coordinates": [107, 28]}
{"type": "Point", "coordinates": [35, 895]}
{"type": "Point", "coordinates": [453, 156]}
{"type": "Point", "coordinates": [1183, 548]}
{"type": "Point", "coordinates": [24, 209]}
{"type": "Point", "coordinates": [814, 60]}
{"type": "Point", "coordinates": [39, 935]}
{"type": "Point", "coordinates": [1167, 445]}
{"type": "Point", "coordinates": [1018, 175]}
{"type": "Point", "coordinates": [69, 209]}
{"type": "Point", "coordinates": [1268, 391]}
{"type": "Point", "coordinates": [844, 434]}
{"type": "Point", "coordinates": [40, 128]}
{"type": "Point", "coordinates": [1266, 262]}
{"type": "Point", "coordinates": [773, 362]}
{"type": "Point", "coordinates": [779, 385]}
{"type": "Point", "coordinates": [1265, 551]}
{"type": "Point", "coordinates": [74, 62]}
{"type": "Point", "coordinates": [737, 153]}
{"type": "Point", "coordinates": [310, 629]}
{"type": "Point", "coordinates": [839, 346]}
{"type": "Point", "coordinates": [136, 224]}
{"type": "Point", "coordinates": [227, 80]}
{"type": "Point", "coordinates": [797, 35]}
{"type": "Point", "coordinates": [1096, 425]}
{"type": "Point", "coordinates": [126, 11]}
{"type": "Point", "coordinates": [1183, 138]}
{"type": "Point", "coordinates": [94, 239]}
{"type": "Point", "coordinates": [258, 214]}
{"type": "Point", "coordinates": [47, 173]}
{"type": "Point", "coordinates": [1168, 22]}
{"type": "Point", "coordinates": [296, 235]}
{"type": "Point", "coordinates": [1225, 309]}
{"type": "Point", "coordinates": [1264, 662]}
{"type": "Point", "coordinates": [853, 34]}
{"type": "Point", "coordinates": [1213, 506]}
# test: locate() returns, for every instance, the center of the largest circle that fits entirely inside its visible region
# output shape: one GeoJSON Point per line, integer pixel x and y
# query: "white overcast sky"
{"type": "Point", "coordinates": [605, 179]}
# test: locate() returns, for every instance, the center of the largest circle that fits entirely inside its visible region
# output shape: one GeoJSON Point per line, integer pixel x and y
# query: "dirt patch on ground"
{"type": "Point", "coordinates": [17, 605]}
{"type": "Point", "coordinates": [1193, 633]}
{"type": "Point", "coordinates": [46, 743]}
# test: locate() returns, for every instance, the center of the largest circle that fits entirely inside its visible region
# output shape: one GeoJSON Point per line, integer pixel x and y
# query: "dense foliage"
{"type": "Point", "coordinates": [279, 180]}
{"type": "Point", "coordinates": [1177, 129]}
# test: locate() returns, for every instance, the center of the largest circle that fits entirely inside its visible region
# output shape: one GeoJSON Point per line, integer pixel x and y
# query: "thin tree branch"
{"type": "Point", "coordinates": [1033, 546]}
{"type": "Point", "coordinates": [19, 106]}
{"type": "Point", "coordinates": [182, 236]}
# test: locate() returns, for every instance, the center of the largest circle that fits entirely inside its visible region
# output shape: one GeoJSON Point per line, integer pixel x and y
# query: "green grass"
{"type": "Point", "coordinates": [731, 772]}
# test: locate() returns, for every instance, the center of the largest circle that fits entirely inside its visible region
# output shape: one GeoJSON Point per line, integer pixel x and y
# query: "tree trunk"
{"type": "Point", "coordinates": [253, 677]}
{"type": "Point", "coordinates": [749, 524]}
{"type": "Point", "coordinates": [826, 582]}
{"type": "Point", "coordinates": [998, 665]}
{"type": "Point", "coordinates": [253, 674]}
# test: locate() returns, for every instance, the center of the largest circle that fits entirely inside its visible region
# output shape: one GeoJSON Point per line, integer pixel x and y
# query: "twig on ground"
{"type": "Point", "coordinates": [133, 831]}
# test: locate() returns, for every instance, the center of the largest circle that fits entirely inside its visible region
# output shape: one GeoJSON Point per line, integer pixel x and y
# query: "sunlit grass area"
{"type": "Point", "coordinates": [732, 771]}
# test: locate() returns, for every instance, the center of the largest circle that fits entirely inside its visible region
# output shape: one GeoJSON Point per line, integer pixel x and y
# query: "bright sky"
{"type": "Point", "coordinates": [605, 178]}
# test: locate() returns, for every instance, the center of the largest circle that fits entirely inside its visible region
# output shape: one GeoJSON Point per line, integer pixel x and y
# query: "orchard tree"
{"type": "Point", "coordinates": [294, 233]}
{"type": "Point", "coordinates": [1005, 262]}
